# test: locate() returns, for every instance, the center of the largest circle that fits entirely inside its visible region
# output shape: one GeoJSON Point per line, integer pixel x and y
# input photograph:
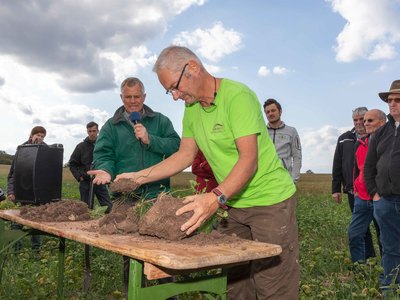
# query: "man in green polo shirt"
{"type": "Point", "coordinates": [223, 119]}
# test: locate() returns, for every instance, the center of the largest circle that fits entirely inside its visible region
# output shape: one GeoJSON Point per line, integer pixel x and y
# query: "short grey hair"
{"type": "Point", "coordinates": [359, 111]}
{"type": "Point", "coordinates": [174, 57]}
{"type": "Point", "coordinates": [381, 115]}
{"type": "Point", "coordinates": [132, 81]}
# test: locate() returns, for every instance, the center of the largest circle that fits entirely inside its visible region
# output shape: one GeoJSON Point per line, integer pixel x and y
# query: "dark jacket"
{"type": "Point", "coordinates": [382, 165]}
{"type": "Point", "coordinates": [81, 159]}
{"type": "Point", "coordinates": [118, 151]}
{"type": "Point", "coordinates": [343, 162]}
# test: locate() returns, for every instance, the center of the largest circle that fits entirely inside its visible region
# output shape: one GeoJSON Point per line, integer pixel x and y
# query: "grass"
{"type": "Point", "coordinates": [327, 271]}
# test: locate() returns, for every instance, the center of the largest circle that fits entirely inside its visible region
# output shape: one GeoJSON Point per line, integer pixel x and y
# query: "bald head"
{"type": "Point", "coordinates": [373, 119]}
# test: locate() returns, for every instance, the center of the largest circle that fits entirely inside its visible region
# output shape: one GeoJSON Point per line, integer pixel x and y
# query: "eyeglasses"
{"type": "Point", "coordinates": [396, 100]}
{"type": "Point", "coordinates": [358, 119]}
{"type": "Point", "coordinates": [368, 120]}
{"type": "Point", "coordinates": [176, 88]}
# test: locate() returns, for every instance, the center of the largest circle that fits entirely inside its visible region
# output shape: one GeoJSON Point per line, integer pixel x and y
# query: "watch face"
{"type": "Point", "coordinates": [222, 199]}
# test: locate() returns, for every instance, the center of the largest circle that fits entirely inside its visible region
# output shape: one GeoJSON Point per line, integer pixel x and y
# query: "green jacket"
{"type": "Point", "coordinates": [118, 151]}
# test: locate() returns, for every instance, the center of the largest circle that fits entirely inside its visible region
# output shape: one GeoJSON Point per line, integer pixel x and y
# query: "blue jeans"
{"type": "Point", "coordinates": [387, 214]}
{"type": "Point", "coordinates": [363, 214]}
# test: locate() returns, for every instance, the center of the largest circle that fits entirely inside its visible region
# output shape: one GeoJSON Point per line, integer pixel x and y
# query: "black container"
{"type": "Point", "coordinates": [38, 173]}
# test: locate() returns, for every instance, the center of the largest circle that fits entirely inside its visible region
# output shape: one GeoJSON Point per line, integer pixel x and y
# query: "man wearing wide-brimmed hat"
{"type": "Point", "coordinates": [382, 176]}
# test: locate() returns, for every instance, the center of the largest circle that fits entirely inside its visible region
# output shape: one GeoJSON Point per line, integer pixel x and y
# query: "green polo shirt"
{"type": "Point", "coordinates": [236, 112]}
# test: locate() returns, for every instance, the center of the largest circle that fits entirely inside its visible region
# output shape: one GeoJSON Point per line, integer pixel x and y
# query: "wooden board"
{"type": "Point", "coordinates": [165, 254]}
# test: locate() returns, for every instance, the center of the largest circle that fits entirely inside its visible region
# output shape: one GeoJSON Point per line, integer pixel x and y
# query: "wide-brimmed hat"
{"type": "Point", "coordinates": [394, 89]}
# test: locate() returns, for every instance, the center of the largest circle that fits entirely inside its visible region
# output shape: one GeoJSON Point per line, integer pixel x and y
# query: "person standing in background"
{"type": "Point", "coordinates": [343, 165]}
{"type": "Point", "coordinates": [37, 135]}
{"type": "Point", "coordinates": [81, 161]}
{"type": "Point", "coordinates": [126, 145]}
{"type": "Point", "coordinates": [382, 176]}
{"type": "Point", "coordinates": [363, 213]}
{"type": "Point", "coordinates": [285, 138]}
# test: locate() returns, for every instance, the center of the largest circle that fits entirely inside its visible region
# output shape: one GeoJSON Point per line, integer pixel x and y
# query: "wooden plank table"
{"type": "Point", "coordinates": [168, 256]}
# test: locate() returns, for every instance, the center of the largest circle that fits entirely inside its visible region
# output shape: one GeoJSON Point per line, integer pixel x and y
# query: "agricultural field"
{"type": "Point", "coordinates": [327, 271]}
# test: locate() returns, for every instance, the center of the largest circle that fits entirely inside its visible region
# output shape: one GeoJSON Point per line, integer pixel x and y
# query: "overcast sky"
{"type": "Point", "coordinates": [61, 62]}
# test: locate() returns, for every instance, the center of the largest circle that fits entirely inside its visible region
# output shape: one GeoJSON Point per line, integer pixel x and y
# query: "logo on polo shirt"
{"type": "Point", "coordinates": [218, 128]}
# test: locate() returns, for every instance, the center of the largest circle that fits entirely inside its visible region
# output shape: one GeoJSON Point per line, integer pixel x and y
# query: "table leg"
{"type": "Point", "coordinates": [210, 284]}
{"type": "Point", "coordinates": [60, 277]}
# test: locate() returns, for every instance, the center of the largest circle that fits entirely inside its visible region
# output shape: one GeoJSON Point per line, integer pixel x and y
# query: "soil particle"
{"type": "Point", "coordinates": [64, 210]}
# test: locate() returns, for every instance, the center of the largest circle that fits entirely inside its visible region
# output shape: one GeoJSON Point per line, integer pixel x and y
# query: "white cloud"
{"type": "Point", "coordinates": [263, 71]}
{"type": "Point", "coordinates": [278, 70]}
{"type": "Point", "coordinates": [213, 43]}
{"type": "Point", "coordinates": [383, 51]}
{"type": "Point", "coordinates": [372, 30]}
{"type": "Point", "coordinates": [126, 66]}
{"type": "Point", "coordinates": [213, 69]}
{"type": "Point", "coordinates": [318, 147]}
{"type": "Point", "coordinates": [71, 39]}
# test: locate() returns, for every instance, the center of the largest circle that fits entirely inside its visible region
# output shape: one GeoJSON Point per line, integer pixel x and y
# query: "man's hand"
{"type": "Point", "coordinates": [203, 207]}
{"type": "Point", "coordinates": [141, 133]}
{"type": "Point", "coordinates": [337, 197]}
{"type": "Point", "coordinates": [376, 197]}
{"type": "Point", "coordinates": [100, 176]}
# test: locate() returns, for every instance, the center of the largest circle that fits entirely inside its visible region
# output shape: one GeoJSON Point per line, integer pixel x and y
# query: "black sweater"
{"type": "Point", "coordinates": [382, 165]}
{"type": "Point", "coordinates": [81, 159]}
{"type": "Point", "coordinates": [343, 162]}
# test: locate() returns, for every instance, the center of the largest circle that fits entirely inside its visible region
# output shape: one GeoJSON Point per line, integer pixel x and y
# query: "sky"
{"type": "Point", "coordinates": [61, 62]}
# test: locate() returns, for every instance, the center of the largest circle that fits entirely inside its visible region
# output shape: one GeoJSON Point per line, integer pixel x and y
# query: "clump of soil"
{"type": "Point", "coordinates": [161, 220]}
{"type": "Point", "coordinates": [123, 185]}
{"type": "Point", "coordinates": [122, 219]}
{"type": "Point", "coordinates": [64, 210]}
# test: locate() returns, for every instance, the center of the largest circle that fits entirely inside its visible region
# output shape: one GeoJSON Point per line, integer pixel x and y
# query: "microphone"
{"type": "Point", "coordinates": [135, 117]}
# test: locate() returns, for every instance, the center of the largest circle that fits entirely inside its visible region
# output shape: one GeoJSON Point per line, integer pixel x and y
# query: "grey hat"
{"type": "Point", "coordinates": [394, 89]}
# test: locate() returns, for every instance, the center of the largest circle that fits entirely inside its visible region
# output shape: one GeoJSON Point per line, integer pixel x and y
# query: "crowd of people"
{"type": "Point", "coordinates": [244, 166]}
{"type": "Point", "coordinates": [366, 167]}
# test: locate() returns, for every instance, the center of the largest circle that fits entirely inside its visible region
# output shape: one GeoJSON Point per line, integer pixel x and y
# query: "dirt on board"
{"type": "Point", "coordinates": [159, 222]}
{"type": "Point", "coordinates": [64, 210]}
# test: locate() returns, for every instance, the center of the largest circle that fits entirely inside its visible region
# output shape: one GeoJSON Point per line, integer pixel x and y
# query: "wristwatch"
{"type": "Point", "coordinates": [221, 198]}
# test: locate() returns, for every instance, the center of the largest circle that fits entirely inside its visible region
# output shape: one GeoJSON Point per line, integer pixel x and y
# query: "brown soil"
{"type": "Point", "coordinates": [122, 219]}
{"type": "Point", "coordinates": [123, 185]}
{"type": "Point", "coordinates": [159, 222]}
{"type": "Point", "coordinates": [65, 210]}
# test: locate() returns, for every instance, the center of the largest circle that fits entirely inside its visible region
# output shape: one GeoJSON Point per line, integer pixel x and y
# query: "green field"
{"type": "Point", "coordinates": [327, 271]}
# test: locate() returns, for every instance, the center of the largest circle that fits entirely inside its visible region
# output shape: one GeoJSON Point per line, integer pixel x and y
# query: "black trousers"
{"type": "Point", "coordinates": [100, 191]}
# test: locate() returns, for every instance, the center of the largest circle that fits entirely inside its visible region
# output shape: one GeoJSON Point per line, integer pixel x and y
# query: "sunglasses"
{"type": "Point", "coordinates": [368, 120]}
